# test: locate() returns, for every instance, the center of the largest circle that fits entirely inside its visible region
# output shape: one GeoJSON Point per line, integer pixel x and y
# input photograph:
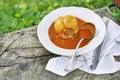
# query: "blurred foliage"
{"type": "Point", "coordinates": [19, 14]}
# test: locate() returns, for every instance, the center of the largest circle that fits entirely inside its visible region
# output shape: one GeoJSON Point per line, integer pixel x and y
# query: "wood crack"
{"type": "Point", "coordinates": [36, 56]}
{"type": "Point", "coordinates": [10, 45]}
{"type": "Point", "coordinates": [9, 65]}
{"type": "Point", "coordinates": [24, 57]}
{"type": "Point", "coordinates": [24, 48]}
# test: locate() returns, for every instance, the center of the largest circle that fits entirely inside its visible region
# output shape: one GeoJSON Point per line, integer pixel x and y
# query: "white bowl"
{"type": "Point", "coordinates": [80, 12]}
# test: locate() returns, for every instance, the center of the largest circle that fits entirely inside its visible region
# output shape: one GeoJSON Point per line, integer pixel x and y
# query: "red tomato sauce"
{"type": "Point", "coordinates": [117, 2]}
{"type": "Point", "coordinates": [67, 43]}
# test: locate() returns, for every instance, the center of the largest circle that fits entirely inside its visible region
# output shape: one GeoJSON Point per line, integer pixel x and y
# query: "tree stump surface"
{"type": "Point", "coordinates": [22, 57]}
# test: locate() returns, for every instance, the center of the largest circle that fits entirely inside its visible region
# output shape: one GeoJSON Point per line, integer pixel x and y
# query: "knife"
{"type": "Point", "coordinates": [96, 54]}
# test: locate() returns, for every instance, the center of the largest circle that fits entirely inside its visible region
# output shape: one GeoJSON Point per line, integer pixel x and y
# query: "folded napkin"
{"type": "Point", "coordinates": [109, 48]}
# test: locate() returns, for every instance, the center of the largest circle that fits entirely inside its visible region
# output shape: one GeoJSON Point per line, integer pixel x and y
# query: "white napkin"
{"type": "Point", "coordinates": [110, 47]}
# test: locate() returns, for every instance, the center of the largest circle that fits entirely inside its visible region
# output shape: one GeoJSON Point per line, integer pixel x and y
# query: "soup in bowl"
{"type": "Point", "coordinates": [59, 31]}
{"type": "Point", "coordinates": [66, 31]}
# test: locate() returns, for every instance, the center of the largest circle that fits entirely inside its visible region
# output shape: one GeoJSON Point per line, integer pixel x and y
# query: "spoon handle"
{"type": "Point", "coordinates": [71, 63]}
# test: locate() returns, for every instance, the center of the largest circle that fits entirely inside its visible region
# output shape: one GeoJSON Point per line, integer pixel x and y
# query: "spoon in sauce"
{"type": "Point", "coordinates": [87, 31]}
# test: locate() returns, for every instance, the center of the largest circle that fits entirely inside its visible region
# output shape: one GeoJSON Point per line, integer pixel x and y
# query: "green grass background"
{"type": "Point", "coordinates": [19, 14]}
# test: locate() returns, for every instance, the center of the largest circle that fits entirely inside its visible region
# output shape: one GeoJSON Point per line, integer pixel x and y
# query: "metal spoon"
{"type": "Point", "coordinates": [71, 63]}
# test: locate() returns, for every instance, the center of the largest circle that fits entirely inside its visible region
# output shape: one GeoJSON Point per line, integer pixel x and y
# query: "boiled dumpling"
{"type": "Point", "coordinates": [59, 25]}
{"type": "Point", "coordinates": [71, 22]}
{"type": "Point", "coordinates": [67, 26]}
